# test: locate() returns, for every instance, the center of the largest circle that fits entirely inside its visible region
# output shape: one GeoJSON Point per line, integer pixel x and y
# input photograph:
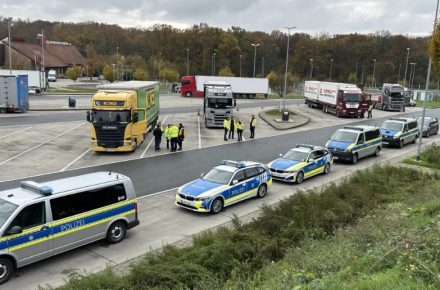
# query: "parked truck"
{"type": "Point", "coordinates": [218, 103]}
{"type": "Point", "coordinates": [241, 87]}
{"type": "Point", "coordinates": [122, 114]}
{"type": "Point", "coordinates": [14, 96]}
{"type": "Point", "coordinates": [343, 100]}
{"type": "Point", "coordinates": [391, 99]}
{"type": "Point", "coordinates": [36, 79]}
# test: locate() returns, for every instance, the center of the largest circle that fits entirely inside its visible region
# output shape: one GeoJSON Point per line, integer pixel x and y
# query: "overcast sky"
{"type": "Point", "coordinates": [412, 17]}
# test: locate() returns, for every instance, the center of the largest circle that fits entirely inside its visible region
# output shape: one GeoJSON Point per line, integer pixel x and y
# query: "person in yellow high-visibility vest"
{"type": "Point", "coordinates": [226, 126]}
{"type": "Point", "coordinates": [240, 129]}
{"type": "Point", "coordinates": [168, 135]}
{"type": "Point", "coordinates": [174, 133]}
{"type": "Point", "coordinates": [252, 125]}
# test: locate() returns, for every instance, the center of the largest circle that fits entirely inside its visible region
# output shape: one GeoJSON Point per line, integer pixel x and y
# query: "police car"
{"type": "Point", "coordinates": [399, 131]}
{"type": "Point", "coordinates": [301, 162]}
{"type": "Point", "coordinates": [226, 184]}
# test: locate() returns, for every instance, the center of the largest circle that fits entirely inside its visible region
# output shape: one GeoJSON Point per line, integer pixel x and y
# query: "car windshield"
{"type": "Point", "coordinates": [218, 176]}
{"type": "Point", "coordinates": [219, 103]}
{"type": "Point", "coordinates": [396, 95]}
{"type": "Point", "coordinates": [352, 98]}
{"type": "Point", "coordinates": [390, 125]}
{"type": "Point", "coordinates": [6, 210]}
{"type": "Point", "coordinates": [105, 116]}
{"type": "Point", "coordinates": [295, 155]}
{"type": "Point", "coordinates": [344, 136]}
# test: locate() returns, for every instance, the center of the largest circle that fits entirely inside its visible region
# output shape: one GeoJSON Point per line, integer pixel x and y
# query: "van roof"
{"type": "Point", "coordinates": [406, 120]}
{"type": "Point", "coordinates": [22, 194]}
{"type": "Point", "coordinates": [130, 85]}
{"type": "Point", "coordinates": [361, 128]}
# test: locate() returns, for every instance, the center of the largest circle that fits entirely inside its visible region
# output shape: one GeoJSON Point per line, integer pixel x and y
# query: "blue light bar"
{"type": "Point", "coordinates": [36, 187]}
{"type": "Point", "coordinates": [238, 164]}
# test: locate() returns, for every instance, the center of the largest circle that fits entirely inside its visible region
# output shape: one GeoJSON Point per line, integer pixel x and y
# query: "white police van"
{"type": "Point", "coordinates": [399, 131]}
{"type": "Point", "coordinates": [229, 183]}
{"type": "Point", "coordinates": [301, 162]}
{"type": "Point", "coordinates": [354, 142]}
{"type": "Point", "coordinates": [40, 220]}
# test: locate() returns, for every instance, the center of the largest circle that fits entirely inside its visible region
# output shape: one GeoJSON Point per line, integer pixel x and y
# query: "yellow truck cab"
{"type": "Point", "coordinates": [121, 115]}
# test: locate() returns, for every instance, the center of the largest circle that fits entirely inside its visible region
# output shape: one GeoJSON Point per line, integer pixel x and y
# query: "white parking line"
{"type": "Point", "coordinates": [4, 136]}
{"type": "Point", "coordinates": [76, 159]}
{"type": "Point", "coordinates": [152, 139]}
{"type": "Point", "coordinates": [200, 137]}
{"type": "Point", "coordinates": [41, 144]}
{"type": "Point", "coordinates": [157, 193]}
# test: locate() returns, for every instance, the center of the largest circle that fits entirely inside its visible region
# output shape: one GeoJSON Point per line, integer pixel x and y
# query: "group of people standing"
{"type": "Point", "coordinates": [174, 136]}
{"type": "Point", "coordinates": [231, 125]}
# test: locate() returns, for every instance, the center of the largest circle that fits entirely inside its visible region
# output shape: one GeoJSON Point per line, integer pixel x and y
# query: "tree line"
{"type": "Point", "coordinates": [164, 52]}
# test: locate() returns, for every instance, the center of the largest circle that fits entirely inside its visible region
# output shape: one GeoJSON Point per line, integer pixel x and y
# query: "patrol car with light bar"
{"type": "Point", "coordinates": [399, 131]}
{"type": "Point", "coordinates": [40, 220]}
{"type": "Point", "coordinates": [354, 142]}
{"type": "Point", "coordinates": [301, 162]}
{"type": "Point", "coordinates": [226, 184]}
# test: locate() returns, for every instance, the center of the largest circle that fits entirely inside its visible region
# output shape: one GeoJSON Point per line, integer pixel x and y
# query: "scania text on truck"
{"type": "Point", "coordinates": [241, 87]}
{"type": "Point", "coordinates": [121, 115]}
{"type": "Point", "coordinates": [14, 96]}
{"type": "Point", "coordinates": [343, 100]}
{"type": "Point", "coordinates": [391, 99]}
{"type": "Point", "coordinates": [218, 103]}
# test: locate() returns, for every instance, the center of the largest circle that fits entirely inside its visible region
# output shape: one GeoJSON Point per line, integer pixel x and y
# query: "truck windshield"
{"type": "Point", "coordinates": [396, 95]}
{"type": "Point", "coordinates": [295, 155]}
{"type": "Point", "coordinates": [219, 103]}
{"type": "Point", "coordinates": [218, 176]}
{"type": "Point", "coordinates": [356, 98]}
{"type": "Point", "coordinates": [344, 136]}
{"type": "Point", "coordinates": [101, 116]}
{"type": "Point", "coordinates": [6, 210]}
{"type": "Point", "coordinates": [390, 125]}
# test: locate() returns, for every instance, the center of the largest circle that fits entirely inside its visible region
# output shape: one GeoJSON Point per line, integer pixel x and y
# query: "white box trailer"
{"type": "Point", "coordinates": [337, 98]}
{"type": "Point", "coordinates": [36, 79]}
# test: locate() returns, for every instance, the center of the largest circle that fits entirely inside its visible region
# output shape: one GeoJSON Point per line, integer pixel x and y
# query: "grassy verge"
{"type": "Point", "coordinates": [433, 104]}
{"type": "Point", "coordinates": [429, 158]}
{"type": "Point", "coordinates": [276, 112]}
{"type": "Point", "coordinates": [346, 236]}
{"type": "Point", "coordinates": [71, 90]}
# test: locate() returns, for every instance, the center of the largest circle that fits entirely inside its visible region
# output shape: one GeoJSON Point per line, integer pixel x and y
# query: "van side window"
{"type": "Point", "coordinates": [239, 176]}
{"type": "Point", "coordinates": [81, 202]}
{"type": "Point", "coordinates": [412, 125]}
{"type": "Point", "coordinates": [31, 216]}
{"type": "Point", "coordinates": [260, 170]}
{"type": "Point", "coordinates": [370, 135]}
{"type": "Point", "coordinates": [405, 128]}
{"type": "Point", "coordinates": [251, 172]}
{"type": "Point", "coordinates": [361, 139]}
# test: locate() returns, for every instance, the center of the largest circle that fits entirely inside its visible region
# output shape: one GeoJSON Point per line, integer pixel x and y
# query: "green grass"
{"type": "Point", "coordinates": [432, 104]}
{"type": "Point", "coordinates": [366, 232]}
{"type": "Point", "coordinates": [276, 112]}
{"type": "Point", "coordinates": [428, 158]}
{"type": "Point", "coordinates": [71, 90]}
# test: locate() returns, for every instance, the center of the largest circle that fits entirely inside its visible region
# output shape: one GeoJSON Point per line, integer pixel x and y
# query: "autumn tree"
{"type": "Point", "coordinates": [94, 61]}
{"type": "Point", "coordinates": [108, 73]}
{"type": "Point", "coordinates": [169, 75]}
{"type": "Point", "coordinates": [434, 51]}
{"type": "Point", "coordinates": [276, 83]}
{"type": "Point", "coordinates": [140, 74]}
{"type": "Point", "coordinates": [226, 72]}
{"type": "Point", "coordinates": [73, 72]}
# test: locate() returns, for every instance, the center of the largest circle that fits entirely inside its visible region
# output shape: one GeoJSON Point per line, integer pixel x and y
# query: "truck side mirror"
{"type": "Point", "coordinates": [89, 117]}
{"type": "Point", "coordinates": [14, 230]}
{"type": "Point", "coordinates": [135, 117]}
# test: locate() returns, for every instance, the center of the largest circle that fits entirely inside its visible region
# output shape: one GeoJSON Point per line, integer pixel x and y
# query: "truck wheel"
{"type": "Point", "coordinates": [383, 107]}
{"type": "Point", "coordinates": [116, 232]}
{"type": "Point", "coordinates": [188, 94]}
{"type": "Point", "coordinates": [6, 269]}
{"type": "Point", "coordinates": [217, 205]}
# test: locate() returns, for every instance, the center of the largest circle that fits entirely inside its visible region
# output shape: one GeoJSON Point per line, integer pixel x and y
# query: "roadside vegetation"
{"type": "Point", "coordinates": [71, 90]}
{"type": "Point", "coordinates": [431, 104]}
{"type": "Point", "coordinates": [430, 157]}
{"type": "Point", "coordinates": [378, 229]}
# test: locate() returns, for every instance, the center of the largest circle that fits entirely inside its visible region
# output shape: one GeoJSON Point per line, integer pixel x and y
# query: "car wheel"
{"type": "Point", "coordinates": [376, 152]}
{"type": "Point", "coordinates": [354, 159]}
{"type": "Point", "coordinates": [116, 232]}
{"type": "Point", "coordinates": [217, 205]}
{"type": "Point", "coordinates": [300, 177]}
{"type": "Point", "coordinates": [262, 190]}
{"type": "Point", "coordinates": [6, 269]}
{"type": "Point", "coordinates": [337, 113]}
{"type": "Point", "coordinates": [428, 134]}
{"type": "Point", "coordinates": [327, 168]}
{"type": "Point", "coordinates": [401, 143]}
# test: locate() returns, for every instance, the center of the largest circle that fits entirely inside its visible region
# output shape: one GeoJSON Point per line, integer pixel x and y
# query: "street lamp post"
{"type": "Point", "coordinates": [311, 68]}
{"type": "Point", "coordinates": [241, 56]}
{"type": "Point", "coordinates": [331, 65]}
{"type": "Point", "coordinates": [213, 64]}
{"type": "Point", "coordinates": [255, 54]}
{"type": "Point", "coordinates": [428, 77]}
{"type": "Point", "coordinates": [262, 66]}
{"type": "Point", "coordinates": [117, 62]}
{"type": "Point", "coordinates": [286, 118]}
{"type": "Point", "coordinates": [373, 83]}
{"type": "Point", "coordinates": [406, 66]}
{"type": "Point", "coordinates": [41, 35]}
{"type": "Point", "coordinates": [187, 61]}
{"type": "Point", "coordinates": [413, 70]}
{"type": "Point", "coordinates": [158, 67]}
{"type": "Point", "coordinates": [398, 74]}
{"type": "Point", "coordinates": [9, 44]}
{"type": "Point", "coordinates": [356, 72]}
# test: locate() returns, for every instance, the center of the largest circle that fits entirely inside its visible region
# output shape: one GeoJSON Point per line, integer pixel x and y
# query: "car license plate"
{"type": "Point", "coordinates": [110, 150]}
{"type": "Point", "coordinates": [335, 158]}
{"type": "Point", "coordinates": [386, 143]}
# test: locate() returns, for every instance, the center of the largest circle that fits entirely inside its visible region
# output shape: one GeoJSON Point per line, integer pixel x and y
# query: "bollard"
{"type": "Point", "coordinates": [72, 102]}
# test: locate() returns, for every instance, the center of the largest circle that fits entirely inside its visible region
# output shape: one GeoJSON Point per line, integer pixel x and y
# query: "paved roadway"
{"type": "Point", "coordinates": [159, 173]}
{"type": "Point", "coordinates": [43, 117]}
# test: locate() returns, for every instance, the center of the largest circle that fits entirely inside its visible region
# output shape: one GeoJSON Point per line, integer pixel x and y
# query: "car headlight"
{"type": "Point", "coordinates": [396, 137]}
{"type": "Point", "coordinates": [127, 143]}
{"type": "Point", "coordinates": [94, 143]}
{"type": "Point", "coordinates": [205, 198]}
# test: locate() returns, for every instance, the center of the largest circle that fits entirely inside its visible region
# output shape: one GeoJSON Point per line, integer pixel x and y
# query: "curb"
{"type": "Point", "coordinates": [293, 125]}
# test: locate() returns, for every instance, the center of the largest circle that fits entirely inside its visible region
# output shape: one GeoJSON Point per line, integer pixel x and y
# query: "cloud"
{"type": "Point", "coordinates": [310, 16]}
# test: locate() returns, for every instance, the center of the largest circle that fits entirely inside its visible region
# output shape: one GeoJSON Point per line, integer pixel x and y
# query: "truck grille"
{"type": "Point", "coordinates": [110, 136]}
{"type": "Point", "coordinates": [219, 118]}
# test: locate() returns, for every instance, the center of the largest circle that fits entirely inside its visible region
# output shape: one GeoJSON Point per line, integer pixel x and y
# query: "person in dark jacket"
{"type": "Point", "coordinates": [181, 136]}
{"type": "Point", "coordinates": [232, 128]}
{"type": "Point", "coordinates": [157, 133]}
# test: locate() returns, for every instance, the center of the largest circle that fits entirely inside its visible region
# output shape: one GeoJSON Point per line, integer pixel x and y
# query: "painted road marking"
{"type": "Point", "coordinates": [76, 159]}
{"type": "Point", "coordinates": [152, 139]}
{"type": "Point", "coordinates": [41, 144]}
{"type": "Point", "coordinates": [16, 132]}
{"type": "Point", "coordinates": [200, 136]}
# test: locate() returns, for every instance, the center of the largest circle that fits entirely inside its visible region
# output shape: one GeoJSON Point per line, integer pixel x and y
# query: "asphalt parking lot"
{"type": "Point", "coordinates": [30, 150]}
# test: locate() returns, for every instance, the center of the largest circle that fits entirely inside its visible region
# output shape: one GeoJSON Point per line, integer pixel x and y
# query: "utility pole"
{"type": "Point", "coordinates": [187, 61]}
{"type": "Point", "coordinates": [406, 66]}
{"type": "Point", "coordinates": [9, 44]}
{"type": "Point", "coordinates": [241, 56]}
{"type": "Point", "coordinates": [285, 74]}
{"type": "Point", "coordinates": [255, 55]}
{"type": "Point", "coordinates": [331, 65]}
